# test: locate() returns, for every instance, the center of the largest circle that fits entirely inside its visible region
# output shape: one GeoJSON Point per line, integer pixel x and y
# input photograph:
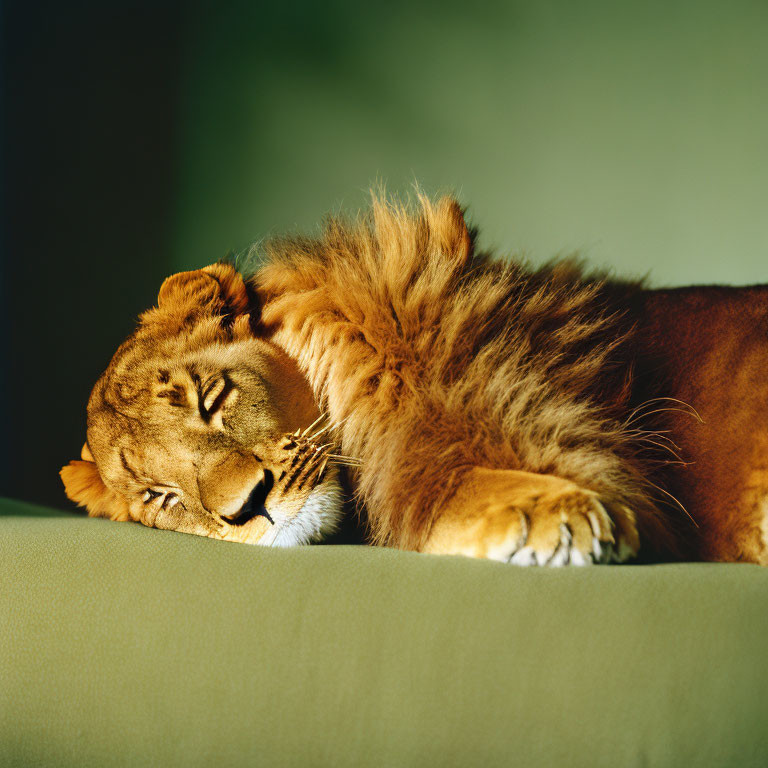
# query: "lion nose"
{"type": "Point", "coordinates": [254, 504]}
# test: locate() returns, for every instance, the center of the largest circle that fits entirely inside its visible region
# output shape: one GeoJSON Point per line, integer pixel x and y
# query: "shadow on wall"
{"type": "Point", "coordinates": [91, 105]}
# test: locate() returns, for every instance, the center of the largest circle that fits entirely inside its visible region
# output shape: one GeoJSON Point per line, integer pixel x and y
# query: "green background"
{"type": "Point", "coordinates": [635, 133]}
{"type": "Point", "coordinates": [143, 138]}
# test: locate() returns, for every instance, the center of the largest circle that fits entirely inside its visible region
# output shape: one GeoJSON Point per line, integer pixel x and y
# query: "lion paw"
{"type": "Point", "coordinates": [574, 528]}
{"type": "Point", "coordinates": [530, 519]}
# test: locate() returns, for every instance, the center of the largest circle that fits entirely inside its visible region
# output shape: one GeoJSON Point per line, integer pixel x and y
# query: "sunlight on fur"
{"type": "Point", "coordinates": [468, 405]}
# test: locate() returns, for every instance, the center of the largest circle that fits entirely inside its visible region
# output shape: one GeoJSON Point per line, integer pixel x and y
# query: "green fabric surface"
{"type": "Point", "coordinates": [121, 645]}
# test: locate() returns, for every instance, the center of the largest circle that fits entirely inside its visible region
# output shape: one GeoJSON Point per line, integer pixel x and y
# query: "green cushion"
{"type": "Point", "coordinates": [121, 645]}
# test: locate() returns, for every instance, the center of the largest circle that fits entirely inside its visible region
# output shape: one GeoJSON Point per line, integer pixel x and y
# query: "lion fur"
{"type": "Point", "coordinates": [434, 358]}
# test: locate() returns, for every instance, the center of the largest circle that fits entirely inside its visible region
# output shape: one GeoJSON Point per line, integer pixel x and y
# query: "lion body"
{"type": "Point", "coordinates": [708, 346]}
{"type": "Point", "coordinates": [490, 409]}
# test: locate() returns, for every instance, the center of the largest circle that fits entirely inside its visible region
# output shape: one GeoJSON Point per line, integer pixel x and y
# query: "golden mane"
{"type": "Point", "coordinates": [431, 354]}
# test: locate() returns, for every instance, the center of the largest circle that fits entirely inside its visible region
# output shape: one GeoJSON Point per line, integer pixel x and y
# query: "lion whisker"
{"type": "Point", "coordinates": [677, 501]}
{"type": "Point", "coordinates": [635, 418]}
{"type": "Point", "coordinates": [346, 460]}
{"type": "Point", "coordinates": [320, 431]}
{"type": "Point", "coordinates": [643, 434]}
{"type": "Point", "coordinates": [687, 405]}
{"type": "Point", "coordinates": [647, 441]}
{"type": "Point", "coordinates": [638, 412]}
{"type": "Point", "coordinates": [331, 426]}
{"type": "Point", "coordinates": [653, 400]}
{"type": "Point", "coordinates": [313, 425]}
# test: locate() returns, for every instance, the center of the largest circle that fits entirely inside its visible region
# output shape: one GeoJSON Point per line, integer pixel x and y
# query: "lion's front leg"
{"type": "Point", "coordinates": [531, 519]}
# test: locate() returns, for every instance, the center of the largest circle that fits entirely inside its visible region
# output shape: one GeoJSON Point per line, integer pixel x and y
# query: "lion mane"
{"type": "Point", "coordinates": [430, 354]}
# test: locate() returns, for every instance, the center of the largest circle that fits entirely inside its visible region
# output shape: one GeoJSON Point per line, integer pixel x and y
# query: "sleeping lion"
{"type": "Point", "coordinates": [389, 371]}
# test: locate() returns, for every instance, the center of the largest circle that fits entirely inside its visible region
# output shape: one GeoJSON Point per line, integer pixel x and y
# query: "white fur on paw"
{"type": "Point", "coordinates": [577, 558]}
{"type": "Point", "coordinates": [525, 545]}
{"type": "Point", "coordinates": [506, 549]}
{"type": "Point", "coordinates": [524, 556]}
{"type": "Point", "coordinates": [565, 552]}
{"type": "Point", "coordinates": [562, 554]}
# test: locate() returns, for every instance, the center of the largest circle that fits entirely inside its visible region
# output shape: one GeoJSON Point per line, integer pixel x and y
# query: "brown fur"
{"type": "Point", "coordinates": [493, 409]}
{"type": "Point", "coordinates": [437, 360]}
{"type": "Point", "coordinates": [711, 345]}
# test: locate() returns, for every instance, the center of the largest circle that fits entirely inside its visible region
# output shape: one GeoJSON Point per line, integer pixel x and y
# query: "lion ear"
{"type": "Point", "coordinates": [84, 486]}
{"type": "Point", "coordinates": [218, 286]}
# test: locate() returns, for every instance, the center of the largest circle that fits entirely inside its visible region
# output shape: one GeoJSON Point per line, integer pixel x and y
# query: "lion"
{"type": "Point", "coordinates": [451, 402]}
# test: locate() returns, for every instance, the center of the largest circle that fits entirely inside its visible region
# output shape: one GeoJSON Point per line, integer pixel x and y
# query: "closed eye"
{"type": "Point", "coordinates": [213, 396]}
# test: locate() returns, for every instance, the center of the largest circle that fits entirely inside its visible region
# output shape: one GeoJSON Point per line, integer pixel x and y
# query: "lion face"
{"type": "Point", "coordinates": [199, 426]}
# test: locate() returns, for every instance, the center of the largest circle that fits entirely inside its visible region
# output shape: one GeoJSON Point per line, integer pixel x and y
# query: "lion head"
{"type": "Point", "coordinates": [202, 426]}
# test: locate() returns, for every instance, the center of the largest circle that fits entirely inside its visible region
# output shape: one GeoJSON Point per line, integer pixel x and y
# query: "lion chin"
{"type": "Point", "coordinates": [317, 519]}
{"type": "Point", "coordinates": [467, 405]}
